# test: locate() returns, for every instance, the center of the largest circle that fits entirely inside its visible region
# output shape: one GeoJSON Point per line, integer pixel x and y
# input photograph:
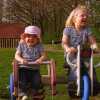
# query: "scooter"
{"type": "Point", "coordinates": [49, 79]}
{"type": "Point", "coordinates": [83, 86]}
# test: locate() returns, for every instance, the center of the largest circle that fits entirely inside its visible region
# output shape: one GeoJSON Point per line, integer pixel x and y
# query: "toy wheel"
{"type": "Point", "coordinates": [12, 87]}
{"type": "Point", "coordinates": [85, 87]}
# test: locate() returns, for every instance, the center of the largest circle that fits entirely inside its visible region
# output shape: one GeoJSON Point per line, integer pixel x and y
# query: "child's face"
{"type": "Point", "coordinates": [31, 40]}
{"type": "Point", "coordinates": [81, 18]}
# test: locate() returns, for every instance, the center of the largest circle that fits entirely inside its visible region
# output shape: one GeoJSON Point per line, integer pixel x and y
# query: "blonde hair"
{"type": "Point", "coordinates": [70, 19]}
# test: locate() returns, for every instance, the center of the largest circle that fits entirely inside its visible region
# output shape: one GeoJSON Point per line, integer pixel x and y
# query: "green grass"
{"type": "Point", "coordinates": [6, 57]}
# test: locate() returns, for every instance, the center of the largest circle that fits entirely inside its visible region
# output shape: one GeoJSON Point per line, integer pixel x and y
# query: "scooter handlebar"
{"type": "Point", "coordinates": [34, 63]}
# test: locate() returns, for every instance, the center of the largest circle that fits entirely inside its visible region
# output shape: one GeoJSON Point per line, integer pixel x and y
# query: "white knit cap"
{"type": "Point", "coordinates": [32, 30]}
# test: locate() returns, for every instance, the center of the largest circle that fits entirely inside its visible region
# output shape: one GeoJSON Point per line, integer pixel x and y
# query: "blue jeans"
{"type": "Point", "coordinates": [28, 77]}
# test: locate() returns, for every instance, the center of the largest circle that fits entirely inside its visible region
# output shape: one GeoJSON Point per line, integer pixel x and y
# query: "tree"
{"type": "Point", "coordinates": [50, 15]}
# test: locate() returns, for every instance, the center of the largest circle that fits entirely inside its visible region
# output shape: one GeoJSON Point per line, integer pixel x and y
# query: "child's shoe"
{"type": "Point", "coordinates": [25, 97]}
{"type": "Point", "coordinates": [22, 96]}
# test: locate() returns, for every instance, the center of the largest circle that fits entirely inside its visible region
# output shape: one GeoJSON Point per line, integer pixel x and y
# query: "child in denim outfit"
{"type": "Point", "coordinates": [30, 49]}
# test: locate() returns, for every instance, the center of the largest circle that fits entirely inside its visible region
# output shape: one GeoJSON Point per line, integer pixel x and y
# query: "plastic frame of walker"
{"type": "Point", "coordinates": [51, 76]}
{"type": "Point", "coordinates": [78, 70]}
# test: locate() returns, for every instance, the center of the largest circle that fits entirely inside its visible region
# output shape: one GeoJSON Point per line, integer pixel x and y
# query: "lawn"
{"type": "Point", "coordinates": [6, 57]}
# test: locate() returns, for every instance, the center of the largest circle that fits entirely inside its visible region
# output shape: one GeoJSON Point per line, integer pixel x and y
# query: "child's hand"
{"type": "Point", "coordinates": [71, 50]}
{"type": "Point", "coordinates": [94, 47]}
{"type": "Point", "coordinates": [24, 61]}
{"type": "Point", "coordinates": [38, 61]}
